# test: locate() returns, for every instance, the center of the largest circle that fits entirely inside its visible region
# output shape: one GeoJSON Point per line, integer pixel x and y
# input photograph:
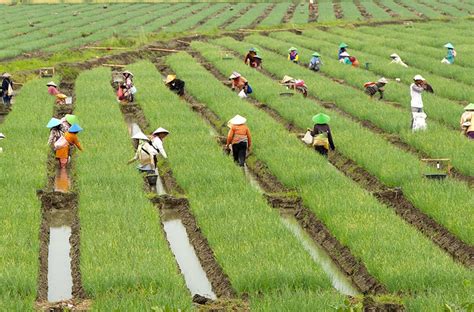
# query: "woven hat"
{"type": "Point", "coordinates": [449, 45]}
{"type": "Point", "coordinates": [61, 96]}
{"type": "Point", "coordinates": [127, 72]}
{"type": "Point", "coordinates": [237, 120]}
{"type": "Point", "coordinates": [470, 107]}
{"type": "Point", "coordinates": [315, 54]}
{"type": "Point", "coordinates": [344, 54]}
{"type": "Point", "coordinates": [71, 119]}
{"type": "Point", "coordinates": [51, 84]}
{"type": "Point", "coordinates": [54, 122]}
{"type": "Point", "coordinates": [169, 78]}
{"type": "Point", "coordinates": [292, 49]}
{"type": "Point", "coordinates": [160, 130]}
{"type": "Point", "coordinates": [6, 75]}
{"type": "Point", "coordinates": [418, 77]}
{"type": "Point", "coordinates": [75, 128]}
{"type": "Point", "coordinates": [253, 50]}
{"type": "Point", "coordinates": [140, 136]}
{"type": "Point", "coordinates": [343, 45]}
{"type": "Point", "coordinates": [383, 80]}
{"type": "Point", "coordinates": [2, 136]}
{"type": "Point", "coordinates": [394, 55]}
{"type": "Point", "coordinates": [286, 79]}
{"type": "Point", "coordinates": [321, 119]}
{"type": "Point", "coordinates": [234, 75]}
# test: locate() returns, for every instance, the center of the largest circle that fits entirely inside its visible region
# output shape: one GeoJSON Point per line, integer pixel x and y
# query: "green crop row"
{"type": "Point", "coordinates": [23, 171]}
{"type": "Point", "coordinates": [276, 15]}
{"type": "Point", "coordinates": [125, 260]}
{"type": "Point", "coordinates": [377, 12]}
{"type": "Point", "coordinates": [350, 11]}
{"type": "Point", "coordinates": [247, 236]}
{"type": "Point", "coordinates": [249, 17]}
{"type": "Point", "coordinates": [301, 14]}
{"type": "Point", "coordinates": [325, 11]}
{"type": "Point", "coordinates": [190, 22]}
{"type": "Point", "coordinates": [402, 11]}
{"type": "Point", "coordinates": [350, 213]}
{"type": "Point", "coordinates": [420, 8]}
{"type": "Point", "coordinates": [214, 23]}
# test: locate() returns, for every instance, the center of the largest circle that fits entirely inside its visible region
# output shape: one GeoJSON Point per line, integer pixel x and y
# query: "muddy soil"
{"type": "Point", "coordinates": [336, 6]}
{"type": "Point", "coordinates": [363, 11]}
{"type": "Point", "coordinates": [387, 9]}
{"type": "Point", "coordinates": [289, 14]}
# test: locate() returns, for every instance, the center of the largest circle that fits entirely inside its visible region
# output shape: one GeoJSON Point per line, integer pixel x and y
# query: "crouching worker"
{"type": "Point", "coordinates": [250, 57]}
{"type": "Point", "coordinates": [239, 139]}
{"type": "Point", "coordinates": [175, 85]}
{"type": "Point", "coordinates": [467, 121]}
{"type": "Point", "coordinates": [61, 98]}
{"type": "Point", "coordinates": [295, 84]}
{"type": "Point", "coordinates": [157, 142]}
{"type": "Point", "coordinates": [315, 62]}
{"type": "Point", "coordinates": [64, 144]}
{"type": "Point", "coordinates": [293, 55]}
{"type": "Point", "coordinates": [397, 60]}
{"type": "Point", "coordinates": [257, 62]}
{"type": "Point", "coordinates": [322, 134]}
{"type": "Point", "coordinates": [145, 152]}
{"type": "Point", "coordinates": [449, 58]}
{"type": "Point", "coordinates": [371, 88]}
{"type": "Point", "coordinates": [240, 84]}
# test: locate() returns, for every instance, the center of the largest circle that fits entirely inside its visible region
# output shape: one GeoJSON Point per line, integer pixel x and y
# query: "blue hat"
{"type": "Point", "coordinates": [75, 128]}
{"type": "Point", "coordinates": [54, 122]}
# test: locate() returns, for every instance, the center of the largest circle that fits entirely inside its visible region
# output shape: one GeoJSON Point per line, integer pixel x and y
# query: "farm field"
{"type": "Point", "coordinates": [365, 228]}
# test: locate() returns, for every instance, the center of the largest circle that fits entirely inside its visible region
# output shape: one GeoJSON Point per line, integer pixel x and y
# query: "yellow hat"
{"type": "Point", "coordinates": [169, 78]}
{"type": "Point", "coordinates": [61, 96]}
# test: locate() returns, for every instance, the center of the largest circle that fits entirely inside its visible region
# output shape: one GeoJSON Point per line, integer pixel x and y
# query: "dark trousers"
{"type": "Point", "coordinates": [321, 150]}
{"type": "Point", "coordinates": [6, 100]}
{"type": "Point", "coordinates": [239, 152]}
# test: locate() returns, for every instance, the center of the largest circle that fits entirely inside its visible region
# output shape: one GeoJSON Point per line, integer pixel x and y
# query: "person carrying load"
{"type": "Point", "coordinates": [293, 55]}
{"type": "Point", "coordinates": [449, 58]}
{"type": "Point", "coordinates": [397, 60]}
{"type": "Point", "coordinates": [342, 48]}
{"type": "Point", "coordinates": [157, 142]}
{"type": "Point", "coordinates": [64, 144]}
{"type": "Point", "coordinates": [467, 121]}
{"type": "Point", "coordinates": [249, 57]}
{"type": "Point", "coordinates": [371, 88]}
{"type": "Point", "coordinates": [240, 84]}
{"type": "Point", "coordinates": [145, 152]}
{"type": "Point", "coordinates": [239, 139]}
{"type": "Point", "coordinates": [321, 132]}
{"type": "Point", "coordinates": [295, 84]}
{"type": "Point", "coordinates": [315, 62]}
{"type": "Point", "coordinates": [7, 90]}
{"type": "Point", "coordinates": [55, 131]}
{"type": "Point", "coordinates": [175, 85]}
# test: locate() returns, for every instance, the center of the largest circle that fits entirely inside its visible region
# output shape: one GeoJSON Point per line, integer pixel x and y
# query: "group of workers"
{"type": "Point", "coordinates": [63, 137]}
{"type": "Point", "coordinates": [149, 148]}
{"type": "Point", "coordinates": [126, 90]}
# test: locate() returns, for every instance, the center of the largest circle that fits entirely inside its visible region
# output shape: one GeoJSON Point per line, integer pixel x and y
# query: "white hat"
{"type": "Point", "coordinates": [418, 77]}
{"type": "Point", "coordinates": [2, 136]}
{"type": "Point", "coordinates": [51, 83]}
{"type": "Point", "coordinates": [140, 136]}
{"type": "Point", "coordinates": [160, 130]}
{"type": "Point", "coordinates": [286, 79]}
{"type": "Point", "coordinates": [234, 75]}
{"type": "Point", "coordinates": [345, 54]}
{"type": "Point", "coordinates": [237, 120]}
{"type": "Point", "coordinates": [6, 75]}
{"type": "Point", "coordinates": [383, 80]}
{"type": "Point", "coordinates": [394, 55]}
{"type": "Point", "coordinates": [127, 72]}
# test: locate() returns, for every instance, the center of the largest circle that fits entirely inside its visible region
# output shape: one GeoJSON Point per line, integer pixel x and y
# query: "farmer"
{"type": "Point", "coordinates": [2, 136]}
{"type": "Point", "coordinates": [397, 60]}
{"type": "Point", "coordinates": [52, 88]}
{"type": "Point", "coordinates": [7, 89]}
{"type": "Point", "coordinates": [342, 48]}
{"type": "Point", "coordinates": [371, 88]}
{"type": "Point", "coordinates": [240, 84]}
{"type": "Point", "coordinates": [416, 89]}
{"type": "Point", "coordinates": [64, 144]}
{"type": "Point", "coordinates": [130, 89]}
{"type": "Point", "coordinates": [55, 132]}
{"type": "Point", "coordinates": [467, 121]}
{"type": "Point", "coordinates": [344, 58]}
{"type": "Point", "coordinates": [145, 152]}
{"type": "Point", "coordinates": [295, 84]}
{"type": "Point", "coordinates": [293, 55]}
{"type": "Point", "coordinates": [175, 85]}
{"type": "Point", "coordinates": [257, 62]}
{"type": "Point", "coordinates": [238, 139]}
{"type": "Point", "coordinates": [315, 62]}
{"type": "Point", "coordinates": [449, 59]}
{"type": "Point", "coordinates": [322, 134]}
{"type": "Point", "coordinates": [157, 142]}
{"type": "Point", "coordinates": [249, 58]}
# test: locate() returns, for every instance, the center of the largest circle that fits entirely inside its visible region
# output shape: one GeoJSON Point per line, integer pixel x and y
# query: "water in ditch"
{"type": "Point", "coordinates": [188, 262]}
{"type": "Point", "coordinates": [252, 180]}
{"type": "Point", "coordinates": [62, 182]}
{"type": "Point", "coordinates": [59, 264]}
{"type": "Point", "coordinates": [338, 279]}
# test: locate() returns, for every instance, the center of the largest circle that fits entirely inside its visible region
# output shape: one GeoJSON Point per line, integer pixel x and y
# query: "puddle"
{"type": "Point", "coordinates": [62, 182]}
{"type": "Point", "coordinates": [188, 262]}
{"type": "Point", "coordinates": [59, 264]}
{"type": "Point", "coordinates": [339, 281]}
{"type": "Point", "coordinates": [252, 180]}
{"type": "Point", "coordinates": [159, 188]}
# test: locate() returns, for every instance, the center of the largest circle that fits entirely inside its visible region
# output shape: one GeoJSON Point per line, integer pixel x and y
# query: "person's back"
{"type": "Point", "coordinates": [415, 93]}
{"type": "Point", "coordinates": [178, 86]}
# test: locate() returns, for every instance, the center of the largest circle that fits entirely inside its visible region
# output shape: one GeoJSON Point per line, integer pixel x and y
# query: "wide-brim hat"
{"type": "Point", "coordinates": [54, 122]}
{"type": "Point", "coordinates": [286, 79]}
{"type": "Point", "coordinates": [449, 45]}
{"type": "Point", "coordinates": [234, 75]}
{"type": "Point", "coordinates": [315, 54]}
{"type": "Point", "coordinates": [169, 78]}
{"type": "Point", "coordinates": [237, 120]}
{"type": "Point", "coordinates": [418, 77]}
{"type": "Point", "coordinates": [394, 55]}
{"type": "Point", "coordinates": [2, 136]}
{"type": "Point", "coordinates": [61, 96]}
{"type": "Point", "coordinates": [470, 107]}
{"type": "Point", "coordinates": [161, 130]}
{"type": "Point", "coordinates": [6, 75]}
{"type": "Point", "coordinates": [321, 119]}
{"type": "Point", "coordinates": [344, 54]}
{"type": "Point", "coordinates": [71, 119]}
{"type": "Point", "coordinates": [383, 80]}
{"type": "Point", "coordinates": [292, 49]}
{"type": "Point", "coordinates": [140, 136]}
{"type": "Point", "coordinates": [75, 128]}
{"type": "Point", "coordinates": [343, 45]}
{"type": "Point", "coordinates": [253, 50]}
{"type": "Point", "coordinates": [127, 72]}
{"type": "Point", "coordinates": [51, 84]}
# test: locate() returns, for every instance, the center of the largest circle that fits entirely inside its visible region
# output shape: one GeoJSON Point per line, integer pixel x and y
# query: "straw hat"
{"type": "Point", "coordinates": [234, 75]}
{"type": "Point", "coordinates": [470, 107]}
{"type": "Point", "coordinates": [51, 84]}
{"type": "Point", "coordinates": [2, 136]}
{"type": "Point", "coordinates": [161, 130]}
{"type": "Point", "coordinates": [292, 49]}
{"type": "Point", "coordinates": [343, 45]}
{"type": "Point", "coordinates": [54, 122]}
{"type": "Point", "coordinates": [383, 80]}
{"type": "Point", "coordinates": [169, 78]}
{"type": "Point", "coordinates": [71, 119]}
{"type": "Point", "coordinates": [127, 72]}
{"type": "Point", "coordinates": [61, 96]}
{"type": "Point", "coordinates": [344, 54]}
{"type": "Point", "coordinates": [418, 77]}
{"type": "Point", "coordinates": [6, 75]}
{"type": "Point", "coordinates": [449, 45]}
{"type": "Point", "coordinates": [394, 55]}
{"type": "Point", "coordinates": [237, 120]}
{"type": "Point", "coordinates": [75, 128]}
{"type": "Point", "coordinates": [286, 79]}
{"type": "Point", "coordinates": [315, 54]}
{"type": "Point", "coordinates": [321, 119]}
{"type": "Point", "coordinates": [140, 136]}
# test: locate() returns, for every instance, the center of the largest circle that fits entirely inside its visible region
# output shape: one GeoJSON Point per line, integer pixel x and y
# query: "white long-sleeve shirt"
{"type": "Point", "coordinates": [416, 99]}
{"type": "Point", "coordinates": [158, 144]}
{"type": "Point", "coordinates": [399, 61]}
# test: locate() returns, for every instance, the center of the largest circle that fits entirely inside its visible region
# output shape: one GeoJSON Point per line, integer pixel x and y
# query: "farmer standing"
{"type": "Point", "coordinates": [293, 55]}
{"type": "Point", "coordinates": [371, 88]}
{"type": "Point", "coordinates": [449, 58]}
{"type": "Point", "coordinates": [322, 134]}
{"type": "Point", "coordinates": [397, 60]}
{"type": "Point", "coordinates": [315, 62]}
{"type": "Point", "coordinates": [7, 89]}
{"type": "Point", "coordinates": [418, 121]}
{"type": "Point", "coordinates": [157, 142]}
{"type": "Point", "coordinates": [239, 139]}
{"type": "Point", "coordinates": [467, 121]}
{"type": "Point", "coordinates": [174, 84]}
{"type": "Point", "coordinates": [64, 144]}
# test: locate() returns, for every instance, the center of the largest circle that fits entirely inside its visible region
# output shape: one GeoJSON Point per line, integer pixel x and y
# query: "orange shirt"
{"type": "Point", "coordinates": [72, 139]}
{"type": "Point", "coordinates": [239, 83]}
{"type": "Point", "coordinates": [239, 133]}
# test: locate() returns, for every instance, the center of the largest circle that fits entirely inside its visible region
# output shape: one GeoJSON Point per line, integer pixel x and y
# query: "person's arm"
{"type": "Point", "coordinates": [381, 90]}
{"type": "Point", "coordinates": [417, 88]}
{"type": "Point", "coordinates": [158, 145]}
{"type": "Point", "coordinates": [297, 57]}
{"type": "Point", "coordinates": [314, 131]}
{"type": "Point", "coordinates": [331, 142]}
{"type": "Point", "coordinates": [230, 136]}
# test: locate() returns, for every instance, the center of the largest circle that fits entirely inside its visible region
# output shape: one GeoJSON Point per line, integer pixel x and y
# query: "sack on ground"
{"type": "Point", "coordinates": [308, 138]}
{"type": "Point", "coordinates": [242, 94]}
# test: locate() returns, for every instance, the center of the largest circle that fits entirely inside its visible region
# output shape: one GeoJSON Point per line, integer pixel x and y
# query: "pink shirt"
{"type": "Point", "coordinates": [52, 90]}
